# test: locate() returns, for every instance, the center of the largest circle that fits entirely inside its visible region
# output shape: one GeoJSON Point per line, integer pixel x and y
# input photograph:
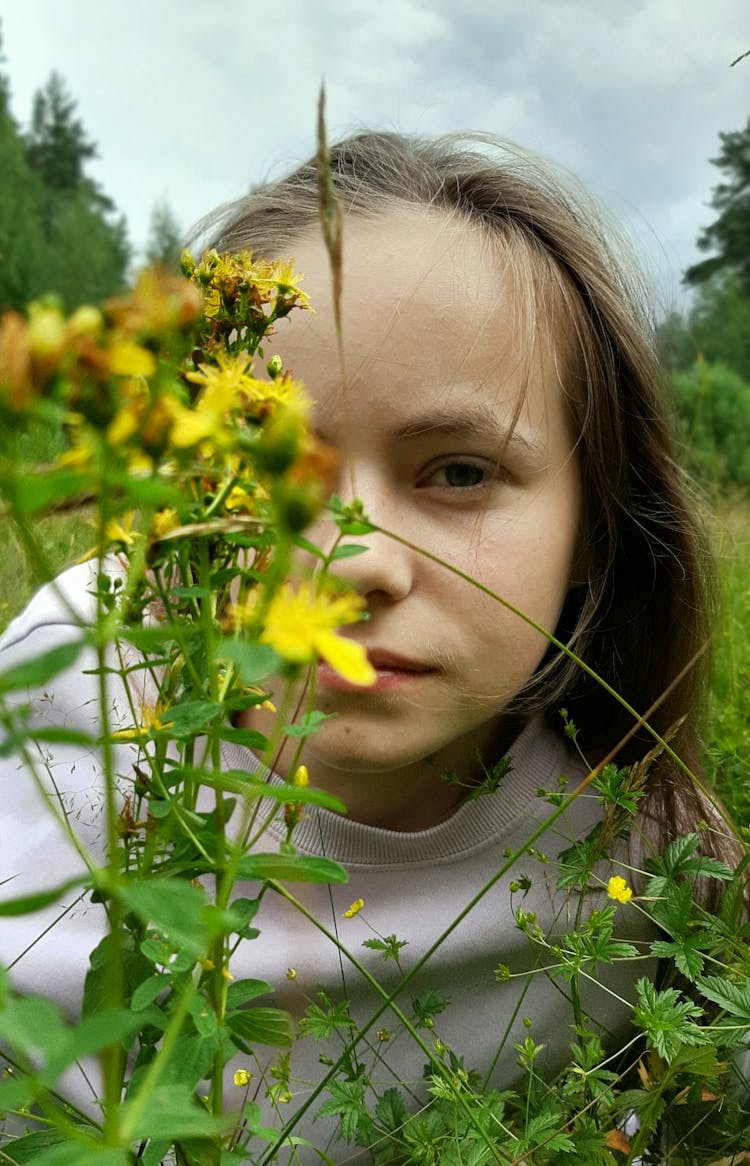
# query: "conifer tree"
{"type": "Point", "coordinates": [729, 235]}
{"type": "Point", "coordinates": [165, 240]}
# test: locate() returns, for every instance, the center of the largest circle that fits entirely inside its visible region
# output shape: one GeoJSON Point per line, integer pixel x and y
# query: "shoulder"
{"type": "Point", "coordinates": [57, 612]}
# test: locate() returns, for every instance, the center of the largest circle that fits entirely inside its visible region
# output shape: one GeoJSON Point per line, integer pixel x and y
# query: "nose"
{"type": "Point", "coordinates": [384, 571]}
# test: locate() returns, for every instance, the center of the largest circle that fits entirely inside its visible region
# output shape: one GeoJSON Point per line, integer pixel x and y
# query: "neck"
{"type": "Point", "coordinates": [406, 797]}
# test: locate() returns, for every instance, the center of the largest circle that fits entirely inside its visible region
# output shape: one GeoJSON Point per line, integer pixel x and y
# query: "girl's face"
{"type": "Point", "coordinates": [456, 437]}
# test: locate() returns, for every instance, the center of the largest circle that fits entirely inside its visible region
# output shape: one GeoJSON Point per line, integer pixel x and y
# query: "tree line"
{"type": "Point", "coordinates": [60, 233]}
{"type": "Point", "coordinates": [707, 349]}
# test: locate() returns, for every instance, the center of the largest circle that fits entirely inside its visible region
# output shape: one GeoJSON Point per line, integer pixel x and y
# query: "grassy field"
{"type": "Point", "coordinates": [63, 538]}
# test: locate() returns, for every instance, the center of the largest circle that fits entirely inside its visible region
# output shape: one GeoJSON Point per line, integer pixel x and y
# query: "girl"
{"type": "Point", "coordinates": [500, 408]}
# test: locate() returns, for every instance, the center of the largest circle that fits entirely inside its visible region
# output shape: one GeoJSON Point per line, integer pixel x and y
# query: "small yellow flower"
{"type": "Point", "coordinates": [242, 1077]}
{"type": "Point", "coordinates": [163, 522]}
{"type": "Point", "coordinates": [354, 909]}
{"type": "Point", "coordinates": [121, 532]}
{"type": "Point", "coordinates": [301, 624]}
{"type": "Point", "coordinates": [127, 359]}
{"type": "Point", "coordinates": [291, 973]}
{"type": "Point", "coordinates": [301, 776]}
{"type": "Point", "coordinates": [618, 889]}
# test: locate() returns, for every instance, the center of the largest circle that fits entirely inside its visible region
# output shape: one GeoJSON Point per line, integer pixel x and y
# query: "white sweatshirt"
{"type": "Point", "coordinates": [414, 885]}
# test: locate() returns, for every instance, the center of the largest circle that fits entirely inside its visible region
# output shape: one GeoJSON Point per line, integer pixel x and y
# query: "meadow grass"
{"type": "Point", "coordinates": [727, 737]}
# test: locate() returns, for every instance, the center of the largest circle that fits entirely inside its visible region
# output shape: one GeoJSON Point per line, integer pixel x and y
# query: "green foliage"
{"type": "Point", "coordinates": [165, 238]}
{"type": "Point", "coordinates": [729, 235]}
{"type": "Point", "coordinates": [58, 231]}
{"type": "Point", "coordinates": [714, 407]}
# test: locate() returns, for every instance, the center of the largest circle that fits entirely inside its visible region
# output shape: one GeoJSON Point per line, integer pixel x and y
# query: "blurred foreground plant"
{"type": "Point", "coordinates": [191, 445]}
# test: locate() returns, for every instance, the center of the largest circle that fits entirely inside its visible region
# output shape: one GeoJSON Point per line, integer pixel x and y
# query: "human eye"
{"type": "Point", "coordinates": [460, 475]}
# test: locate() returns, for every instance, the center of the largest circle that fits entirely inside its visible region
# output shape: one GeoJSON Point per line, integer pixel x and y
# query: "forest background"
{"type": "Point", "coordinates": [62, 235]}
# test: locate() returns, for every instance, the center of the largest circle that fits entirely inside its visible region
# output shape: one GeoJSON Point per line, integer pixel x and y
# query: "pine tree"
{"type": "Point", "coordinates": [729, 235]}
{"type": "Point", "coordinates": [22, 240]}
{"type": "Point", "coordinates": [85, 242]}
{"type": "Point", "coordinates": [165, 241]}
{"type": "Point", "coordinates": [57, 144]}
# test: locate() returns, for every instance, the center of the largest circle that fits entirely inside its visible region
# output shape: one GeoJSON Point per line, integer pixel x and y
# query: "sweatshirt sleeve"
{"type": "Point", "coordinates": [36, 850]}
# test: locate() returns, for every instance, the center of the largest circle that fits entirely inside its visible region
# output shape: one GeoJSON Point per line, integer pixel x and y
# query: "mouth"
{"type": "Point", "coordinates": [392, 671]}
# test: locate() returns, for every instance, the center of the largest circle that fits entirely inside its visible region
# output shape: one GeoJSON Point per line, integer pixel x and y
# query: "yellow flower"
{"type": "Point", "coordinates": [354, 909]}
{"type": "Point", "coordinates": [618, 889]}
{"type": "Point", "coordinates": [291, 973]}
{"type": "Point", "coordinates": [121, 532]}
{"type": "Point", "coordinates": [242, 1077]}
{"type": "Point", "coordinates": [127, 359]}
{"type": "Point", "coordinates": [163, 522]}
{"type": "Point", "coordinates": [300, 625]}
{"type": "Point", "coordinates": [150, 720]}
{"type": "Point", "coordinates": [223, 382]}
{"type": "Point", "coordinates": [301, 776]}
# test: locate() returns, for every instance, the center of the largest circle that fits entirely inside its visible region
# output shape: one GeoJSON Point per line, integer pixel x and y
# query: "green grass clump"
{"type": "Point", "coordinates": [728, 727]}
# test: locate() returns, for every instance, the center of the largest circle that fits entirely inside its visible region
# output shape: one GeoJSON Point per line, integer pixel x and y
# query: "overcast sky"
{"type": "Point", "coordinates": [193, 100]}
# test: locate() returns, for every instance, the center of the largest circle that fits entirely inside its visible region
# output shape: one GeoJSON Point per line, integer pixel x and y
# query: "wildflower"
{"type": "Point", "coordinates": [242, 1077]}
{"type": "Point", "coordinates": [354, 909]}
{"type": "Point", "coordinates": [121, 532]}
{"type": "Point", "coordinates": [163, 522]}
{"type": "Point", "coordinates": [221, 383]}
{"type": "Point", "coordinates": [291, 973]}
{"type": "Point", "coordinates": [150, 722]}
{"type": "Point", "coordinates": [127, 359]}
{"type": "Point", "coordinates": [618, 889]}
{"type": "Point", "coordinates": [301, 776]}
{"type": "Point", "coordinates": [300, 625]}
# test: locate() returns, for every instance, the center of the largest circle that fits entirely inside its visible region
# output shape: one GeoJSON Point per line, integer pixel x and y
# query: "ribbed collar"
{"type": "Point", "coordinates": [538, 758]}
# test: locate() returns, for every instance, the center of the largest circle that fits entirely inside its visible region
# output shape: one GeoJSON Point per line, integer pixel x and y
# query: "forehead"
{"type": "Point", "coordinates": [433, 313]}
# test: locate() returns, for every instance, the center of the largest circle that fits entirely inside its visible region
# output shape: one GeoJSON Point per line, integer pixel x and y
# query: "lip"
{"type": "Point", "coordinates": [392, 669]}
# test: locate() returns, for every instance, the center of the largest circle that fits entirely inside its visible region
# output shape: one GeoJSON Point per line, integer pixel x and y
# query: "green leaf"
{"type": "Point", "coordinates": [263, 1026]}
{"type": "Point", "coordinates": [309, 724]}
{"type": "Point", "coordinates": [49, 1150]}
{"type": "Point", "coordinates": [732, 996]}
{"type": "Point", "coordinates": [240, 991]}
{"type": "Point", "coordinates": [34, 673]}
{"type": "Point", "coordinates": [291, 868]}
{"type": "Point", "coordinates": [172, 905]}
{"type": "Point", "coordinates": [189, 718]}
{"type": "Point", "coordinates": [250, 738]}
{"type": "Point", "coordinates": [253, 661]}
{"type": "Point", "coordinates": [111, 1026]}
{"type": "Point", "coordinates": [347, 551]}
{"type": "Point", "coordinates": [33, 492]}
{"type": "Point", "coordinates": [170, 1112]}
{"type": "Point", "coordinates": [33, 1026]}
{"type": "Point", "coordinates": [27, 904]}
{"type": "Point", "coordinates": [391, 1111]}
{"type": "Point", "coordinates": [148, 990]}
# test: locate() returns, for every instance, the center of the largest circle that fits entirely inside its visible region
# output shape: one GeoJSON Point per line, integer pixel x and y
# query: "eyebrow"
{"type": "Point", "coordinates": [471, 422]}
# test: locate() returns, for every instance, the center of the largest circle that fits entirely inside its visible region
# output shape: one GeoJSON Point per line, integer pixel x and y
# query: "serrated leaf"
{"type": "Point", "coordinates": [264, 1026]}
{"type": "Point", "coordinates": [733, 997]}
{"type": "Point", "coordinates": [391, 1110]}
{"type": "Point", "coordinates": [293, 868]}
